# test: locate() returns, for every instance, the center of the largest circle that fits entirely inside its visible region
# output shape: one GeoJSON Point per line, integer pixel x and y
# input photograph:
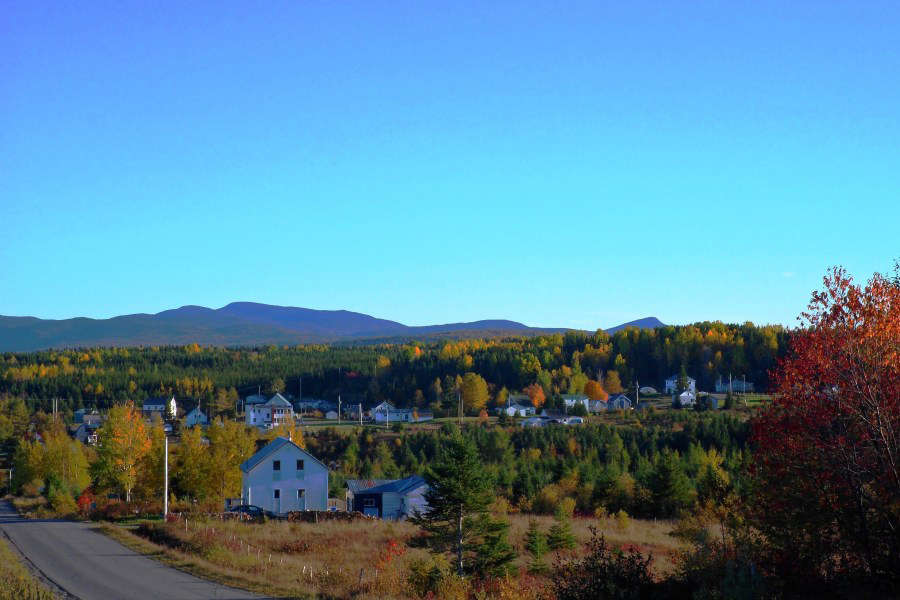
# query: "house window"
{"type": "Point", "coordinates": [276, 494]}
{"type": "Point", "coordinates": [369, 502]}
{"type": "Point", "coordinates": [301, 494]}
{"type": "Point", "coordinates": [276, 470]}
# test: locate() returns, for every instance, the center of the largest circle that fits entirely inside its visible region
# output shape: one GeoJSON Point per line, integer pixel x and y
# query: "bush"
{"type": "Point", "coordinates": [604, 574]}
{"type": "Point", "coordinates": [63, 503]}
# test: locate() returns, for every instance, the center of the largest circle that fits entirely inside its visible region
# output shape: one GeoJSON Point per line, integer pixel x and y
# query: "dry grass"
{"type": "Point", "coordinates": [283, 559]}
{"type": "Point", "coordinates": [301, 560]}
{"type": "Point", "coordinates": [16, 582]}
{"type": "Point", "coordinates": [647, 536]}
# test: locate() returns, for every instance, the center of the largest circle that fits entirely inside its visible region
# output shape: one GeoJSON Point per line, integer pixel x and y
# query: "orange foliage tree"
{"type": "Point", "coordinates": [827, 457]}
{"type": "Point", "coordinates": [536, 394]}
{"type": "Point", "coordinates": [595, 391]}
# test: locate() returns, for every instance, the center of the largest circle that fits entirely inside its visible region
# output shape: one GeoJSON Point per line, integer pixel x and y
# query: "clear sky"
{"type": "Point", "coordinates": [556, 163]}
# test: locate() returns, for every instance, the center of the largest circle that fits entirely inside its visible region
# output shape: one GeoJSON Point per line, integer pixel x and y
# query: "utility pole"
{"type": "Point", "coordinates": [637, 393]}
{"type": "Point", "coordinates": [360, 414]}
{"type": "Point", "coordinates": [459, 401]}
{"type": "Point", "coordinates": [166, 477]}
{"type": "Point", "coordinates": [339, 409]}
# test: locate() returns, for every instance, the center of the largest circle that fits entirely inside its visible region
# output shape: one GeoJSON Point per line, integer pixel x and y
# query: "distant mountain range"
{"type": "Point", "coordinates": [244, 324]}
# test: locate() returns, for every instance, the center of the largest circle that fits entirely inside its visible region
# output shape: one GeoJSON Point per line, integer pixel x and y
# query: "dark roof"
{"type": "Point", "coordinates": [614, 397]}
{"type": "Point", "coordinates": [362, 485]}
{"type": "Point", "coordinates": [269, 449]}
{"type": "Point", "coordinates": [398, 486]}
{"type": "Point", "coordinates": [555, 414]}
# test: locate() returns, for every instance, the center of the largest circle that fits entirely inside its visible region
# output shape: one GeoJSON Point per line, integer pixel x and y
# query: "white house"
{"type": "Point", "coordinates": [672, 384]}
{"type": "Point", "coordinates": [393, 499]}
{"type": "Point", "coordinates": [597, 406]}
{"type": "Point", "coordinates": [573, 400]}
{"type": "Point", "coordinates": [283, 477]}
{"type": "Point", "coordinates": [196, 417]}
{"type": "Point", "coordinates": [516, 410]}
{"type": "Point", "coordinates": [269, 414]}
{"type": "Point", "coordinates": [331, 415]}
{"type": "Point", "coordinates": [160, 406]}
{"type": "Point", "coordinates": [618, 402]}
{"type": "Point", "coordinates": [687, 399]}
{"type": "Point", "coordinates": [534, 422]}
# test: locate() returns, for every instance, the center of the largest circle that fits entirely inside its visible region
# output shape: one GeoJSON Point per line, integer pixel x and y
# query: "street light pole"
{"type": "Point", "coordinates": [166, 478]}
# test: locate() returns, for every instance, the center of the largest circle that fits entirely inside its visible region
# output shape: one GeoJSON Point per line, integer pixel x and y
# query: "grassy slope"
{"type": "Point", "coordinates": [301, 560]}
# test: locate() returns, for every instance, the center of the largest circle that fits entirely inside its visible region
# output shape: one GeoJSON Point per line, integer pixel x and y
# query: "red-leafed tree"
{"type": "Point", "coordinates": [827, 449]}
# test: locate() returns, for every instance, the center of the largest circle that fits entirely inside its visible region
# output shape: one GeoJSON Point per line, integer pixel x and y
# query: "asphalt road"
{"type": "Point", "coordinates": [90, 566]}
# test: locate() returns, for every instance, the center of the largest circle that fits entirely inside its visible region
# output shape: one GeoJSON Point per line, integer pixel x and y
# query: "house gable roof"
{"type": "Point", "coordinates": [270, 449]}
{"type": "Point", "coordinates": [279, 401]}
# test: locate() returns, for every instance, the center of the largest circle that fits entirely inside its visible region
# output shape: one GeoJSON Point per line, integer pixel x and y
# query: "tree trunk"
{"type": "Point", "coordinates": [459, 544]}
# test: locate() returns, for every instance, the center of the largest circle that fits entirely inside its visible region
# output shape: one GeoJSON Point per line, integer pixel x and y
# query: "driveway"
{"type": "Point", "coordinates": [91, 566]}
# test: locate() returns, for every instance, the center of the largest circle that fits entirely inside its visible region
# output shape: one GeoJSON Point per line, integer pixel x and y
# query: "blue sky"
{"type": "Point", "coordinates": [560, 164]}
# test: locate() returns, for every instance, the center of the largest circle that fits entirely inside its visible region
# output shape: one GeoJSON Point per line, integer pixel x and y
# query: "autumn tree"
{"type": "Point", "coordinates": [595, 391]}
{"type": "Point", "coordinates": [536, 393]}
{"type": "Point", "coordinates": [827, 459]}
{"type": "Point", "coordinates": [151, 469]}
{"type": "Point", "coordinates": [191, 472]}
{"type": "Point", "coordinates": [122, 442]}
{"type": "Point", "coordinates": [474, 392]}
{"type": "Point", "coordinates": [612, 383]}
{"type": "Point", "coordinates": [230, 444]}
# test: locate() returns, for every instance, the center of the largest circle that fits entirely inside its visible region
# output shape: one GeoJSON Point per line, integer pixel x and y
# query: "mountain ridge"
{"type": "Point", "coordinates": [244, 324]}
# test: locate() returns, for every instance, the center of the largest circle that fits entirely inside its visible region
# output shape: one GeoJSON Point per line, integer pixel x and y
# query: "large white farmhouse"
{"type": "Point", "coordinates": [274, 412]}
{"type": "Point", "coordinates": [283, 477]}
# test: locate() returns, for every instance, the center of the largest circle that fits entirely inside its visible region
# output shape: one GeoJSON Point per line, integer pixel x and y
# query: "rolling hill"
{"type": "Point", "coordinates": [241, 324]}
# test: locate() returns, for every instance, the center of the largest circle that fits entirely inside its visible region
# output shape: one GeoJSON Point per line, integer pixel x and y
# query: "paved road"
{"type": "Point", "coordinates": [91, 566]}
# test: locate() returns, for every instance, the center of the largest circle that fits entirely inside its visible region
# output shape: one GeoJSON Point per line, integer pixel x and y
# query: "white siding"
{"type": "Point", "coordinates": [259, 483]}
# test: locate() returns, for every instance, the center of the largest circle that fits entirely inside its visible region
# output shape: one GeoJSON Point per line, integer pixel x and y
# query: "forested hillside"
{"type": "Point", "coordinates": [412, 373]}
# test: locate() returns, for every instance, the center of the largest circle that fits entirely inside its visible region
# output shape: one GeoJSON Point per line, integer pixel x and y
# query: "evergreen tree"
{"type": "Point", "coordinates": [729, 401]}
{"type": "Point", "coordinates": [681, 383]}
{"type": "Point", "coordinates": [536, 545]}
{"type": "Point", "coordinates": [457, 520]}
{"type": "Point", "coordinates": [560, 536]}
{"type": "Point", "coordinates": [669, 487]}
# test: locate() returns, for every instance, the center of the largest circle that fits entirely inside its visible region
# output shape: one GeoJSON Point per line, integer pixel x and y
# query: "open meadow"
{"type": "Point", "coordinates": [362, 559]}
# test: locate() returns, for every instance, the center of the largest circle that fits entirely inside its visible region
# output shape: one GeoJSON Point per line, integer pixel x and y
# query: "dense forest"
{"type": "Point", "coordinates": [410, 373]}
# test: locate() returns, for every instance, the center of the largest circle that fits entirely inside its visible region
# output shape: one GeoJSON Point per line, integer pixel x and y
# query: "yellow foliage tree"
{"type": "Point", "coordinates": [122, 443]}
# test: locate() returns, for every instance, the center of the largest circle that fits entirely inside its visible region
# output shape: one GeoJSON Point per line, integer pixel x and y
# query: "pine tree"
{"type": "Point", "coordinates": [560, 535]}
{"type": "Point", "coordinates": [669, 486]}
{"type": "Point", "coordinates": [536, 545]}
{"type": "Point", "coordinates": [457, 520]}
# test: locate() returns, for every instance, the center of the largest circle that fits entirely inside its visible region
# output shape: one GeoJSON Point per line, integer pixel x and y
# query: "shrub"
{"type": "Point", "coordinates": [604, 574]}
{"type": "Point", "coordinates": [63, 503]}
